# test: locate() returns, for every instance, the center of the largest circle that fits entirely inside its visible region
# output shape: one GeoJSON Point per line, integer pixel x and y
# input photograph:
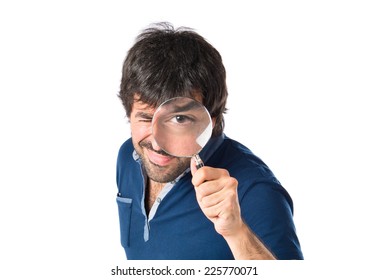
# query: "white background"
{"type": "Point", "coordinates": [297, 76]}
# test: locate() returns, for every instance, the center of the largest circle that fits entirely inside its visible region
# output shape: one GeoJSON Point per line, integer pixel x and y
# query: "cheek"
{"type": "Point", "coordinates": [140, 131]}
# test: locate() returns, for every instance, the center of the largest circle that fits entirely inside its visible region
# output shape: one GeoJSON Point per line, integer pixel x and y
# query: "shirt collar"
{"type": "Point", "coordinates": [212, 145]}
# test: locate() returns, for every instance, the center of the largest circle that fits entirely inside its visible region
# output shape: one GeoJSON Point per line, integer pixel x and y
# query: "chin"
{"type": "Point", "coordinates": [165, 174]}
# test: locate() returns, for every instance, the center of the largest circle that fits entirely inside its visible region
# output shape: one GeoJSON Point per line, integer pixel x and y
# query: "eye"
{"type": "Point", "coordinates": [143, 117]}
{"type": "Point", "coordinates": [182, 119]}
{"type": "Point", "coordinates": [145, 120]}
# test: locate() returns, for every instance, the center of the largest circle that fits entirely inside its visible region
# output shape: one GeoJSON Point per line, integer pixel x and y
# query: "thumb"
{"type": "Point", "coordinates": [193, 166]}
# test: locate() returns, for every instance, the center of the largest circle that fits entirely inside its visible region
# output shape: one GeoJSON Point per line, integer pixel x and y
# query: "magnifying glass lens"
{"type": "Point", "coordinates": [181, 127]}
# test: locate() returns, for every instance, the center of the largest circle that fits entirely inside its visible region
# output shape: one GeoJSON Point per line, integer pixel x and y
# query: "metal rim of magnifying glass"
{"type": "Point", "coordinates": [154, 120]}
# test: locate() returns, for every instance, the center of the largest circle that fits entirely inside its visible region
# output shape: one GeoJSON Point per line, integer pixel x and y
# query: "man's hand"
{"type": "Point", "coordinates": [217, 196]}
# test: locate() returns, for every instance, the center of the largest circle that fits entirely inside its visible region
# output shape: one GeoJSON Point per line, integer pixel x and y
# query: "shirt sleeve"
{"type": "Point", "coordinates": [267, 208]}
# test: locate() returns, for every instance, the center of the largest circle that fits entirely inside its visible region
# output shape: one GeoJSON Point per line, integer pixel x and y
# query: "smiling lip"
{"type": "Point", "coordinates": [158, 159]}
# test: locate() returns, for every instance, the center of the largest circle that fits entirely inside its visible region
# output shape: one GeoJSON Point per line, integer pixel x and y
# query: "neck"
{"type": "Point", "coordinates": [152, 191]}
{"type": "Point", "coordinates": [155, 185]}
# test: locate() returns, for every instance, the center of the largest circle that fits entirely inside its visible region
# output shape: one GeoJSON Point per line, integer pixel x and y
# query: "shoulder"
{"type": "Point", "coordinates": [265, 203]}
{"type": "Point", "coordinates": [125, 156]}
{"type": "Point", "coordinates": [249, 169]}
{"type": "Point", "coordinates": [240, 161]}
{"type": "Point", "coordinates": [127, 166]}
{"type": "Point", "coordinates": [126, 147]}
{"type": "Point", "coordinates": [126, 151]}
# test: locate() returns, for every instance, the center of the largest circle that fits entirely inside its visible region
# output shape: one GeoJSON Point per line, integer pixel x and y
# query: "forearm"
{"type": "Point", "coordinates": [245, 245]}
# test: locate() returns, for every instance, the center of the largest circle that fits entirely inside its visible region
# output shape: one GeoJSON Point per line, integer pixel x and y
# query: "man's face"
{"type": "Point", "coordinates": [160, 166]}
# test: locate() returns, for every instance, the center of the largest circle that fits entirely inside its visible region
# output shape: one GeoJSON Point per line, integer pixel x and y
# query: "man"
{"type": "Point", "coordinates": [233, 207]}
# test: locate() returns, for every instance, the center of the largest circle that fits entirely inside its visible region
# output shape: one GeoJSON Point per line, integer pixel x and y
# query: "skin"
{"type": "Point", "coordinates": [217, 196]}
{"type": "Point", "coordinates": [160, 167]}
{"type": "Point", "coordinates": [216, 190]}
{"type": "Point", "coordinates": [178, 124]}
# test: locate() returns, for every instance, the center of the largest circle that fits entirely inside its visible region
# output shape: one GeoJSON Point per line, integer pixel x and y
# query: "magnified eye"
{"type": "Point", "coordinates": [181, 119]}
{"type": "Point", "coordinates": [181, 127]}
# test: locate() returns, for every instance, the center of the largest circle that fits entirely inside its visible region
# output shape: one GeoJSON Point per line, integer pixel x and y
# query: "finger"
{"type": "Point", "coordinates": [207, 173]}
{"type": "Point", "coordinates": [210, 187]}
{"type": "Point", "coordinates": [216, 210]}
{"type": "Point", "coordinates": [211, 194]}
{"type": "Point", "coordinates": [224, 208]}
{"type": "Point", "coordinates": [193, 166]}
{"type": "Point", "coordinates": [207, 201]}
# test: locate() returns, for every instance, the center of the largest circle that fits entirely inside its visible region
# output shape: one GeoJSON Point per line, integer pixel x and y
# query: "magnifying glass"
{"type": "Point", "coordinates": [181, 127]}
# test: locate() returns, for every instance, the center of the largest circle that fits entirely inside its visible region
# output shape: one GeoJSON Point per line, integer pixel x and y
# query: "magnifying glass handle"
{"type": "Point", "coordinates": [199, 162]}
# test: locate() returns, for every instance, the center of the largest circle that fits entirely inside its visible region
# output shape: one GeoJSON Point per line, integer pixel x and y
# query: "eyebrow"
{"type": "Point", "coordinates": [143, 115]}
{"type": "Point", "coordinates": [186, 107]}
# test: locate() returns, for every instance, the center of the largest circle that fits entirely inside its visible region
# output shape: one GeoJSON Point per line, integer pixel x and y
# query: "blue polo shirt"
{"type": "Point", "coordinates": [176, 227]}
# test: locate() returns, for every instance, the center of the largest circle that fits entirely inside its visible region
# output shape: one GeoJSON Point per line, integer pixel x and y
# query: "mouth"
{"type": "Point", "coordinates": [159, 158]}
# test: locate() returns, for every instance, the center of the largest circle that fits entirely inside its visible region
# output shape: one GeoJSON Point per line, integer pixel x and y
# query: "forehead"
{"type": "Point", "coordinates": [141, 110]}
{"type": "Point", "coordinates": [141, 106]}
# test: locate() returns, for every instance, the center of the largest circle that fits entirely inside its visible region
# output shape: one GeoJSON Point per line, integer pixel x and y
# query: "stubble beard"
{"type": "Point", "coordinates": [157, 173]}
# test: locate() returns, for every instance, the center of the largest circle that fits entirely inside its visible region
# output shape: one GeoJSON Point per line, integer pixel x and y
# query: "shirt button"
{"type": "Point", "coordinates": [158, 200]}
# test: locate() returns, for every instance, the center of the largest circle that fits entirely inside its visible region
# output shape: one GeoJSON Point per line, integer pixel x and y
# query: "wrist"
{"type": "Point", "coordinates": [245, 245]}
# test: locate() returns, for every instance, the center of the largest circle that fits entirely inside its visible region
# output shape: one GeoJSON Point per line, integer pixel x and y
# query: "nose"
{"type": "Point", "coordinates": [155, 146]}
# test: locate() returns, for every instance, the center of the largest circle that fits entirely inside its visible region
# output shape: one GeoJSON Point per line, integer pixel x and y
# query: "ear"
{"type": "Point", "coordinates": [213, 122]}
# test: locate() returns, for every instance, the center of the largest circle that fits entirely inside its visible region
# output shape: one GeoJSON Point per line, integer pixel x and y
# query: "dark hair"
{"type": "Point", "coordinates": [165, 63]}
